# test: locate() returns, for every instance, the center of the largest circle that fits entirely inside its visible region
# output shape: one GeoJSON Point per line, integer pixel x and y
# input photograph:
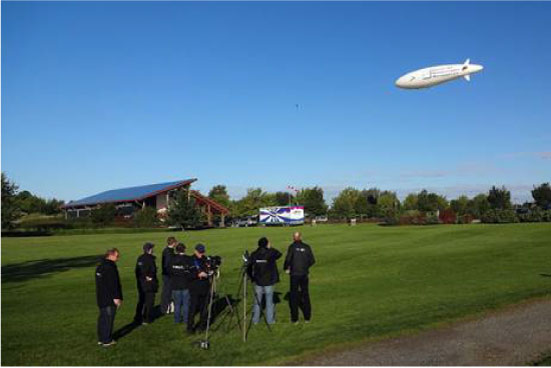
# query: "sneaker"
{"type": "Point", "coordinates": [145, 323]}
{"type": "Point", "coordinates": [294, 322]}
{"type": "Point", "coordinates": [110, 343]}
{"type": "Point", "coordinates": [307, 321]}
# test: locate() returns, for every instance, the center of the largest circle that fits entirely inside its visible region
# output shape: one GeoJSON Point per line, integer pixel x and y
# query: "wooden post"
{"type": "Point", "coordinates": [222, 220]}
{"type": "Point", "coordinates": [209, 215]}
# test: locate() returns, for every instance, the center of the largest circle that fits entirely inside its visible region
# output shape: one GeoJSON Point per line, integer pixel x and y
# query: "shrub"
{"type": "Point", "coordinates": [413, 217]}
{"type": "Point", "coordinates": [43, 223]}
{"type": "Point", "coordinates": [499, 217]}
{"type": "Point", "coordinates": [432, 219]}
{"type": "Point", "coordinates": [465, 219]}
{"type": "Point", "coordinates": [146, 217]}
{"type": "Point", "coordinates": [392, 217]}
{"type": "Point", "coordinates": [104, 215]}
{"type": "Point", "coordinates": [447, 216]}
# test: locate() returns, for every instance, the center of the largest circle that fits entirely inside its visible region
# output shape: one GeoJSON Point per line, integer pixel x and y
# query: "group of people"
{"type": "Point", "coordinates": [187, 281]}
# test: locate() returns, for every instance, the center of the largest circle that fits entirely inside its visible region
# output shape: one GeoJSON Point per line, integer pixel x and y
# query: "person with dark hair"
{"type": "Point", "coordinates": [180, 270]}
{"type": "Point", "coordinates": [298, 261]}
{"type": "Point", "coordinates": [264, 274]}
{"type": "Point", "coordinates": [166, 294]}
{"type": "Point", "coordinates": [199, 289]}
{"type": "Point", "coordinates": [146, 277]}
{"type": "Point", "coordinates": [108, 295]}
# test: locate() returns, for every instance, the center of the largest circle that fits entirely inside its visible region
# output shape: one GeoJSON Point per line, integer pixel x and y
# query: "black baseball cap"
{"type": "Point", "coordinates": [200, 248]}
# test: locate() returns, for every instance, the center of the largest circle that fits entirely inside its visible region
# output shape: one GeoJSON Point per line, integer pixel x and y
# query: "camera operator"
{"type": "Point", "coordinates": [297, 263]}
{"type": "Point", "coordinates": [166, 293]}
{"type": "Point", "coordinates": [108, 295]}
{"type": "Point", "coordinates": [199, 289]}
{"type": "Point", "coordinates": [263, 272]}
{"type": "Point", "coordinates": [180, 270]}
{"type": "Point", "coordinates": [146, 277]}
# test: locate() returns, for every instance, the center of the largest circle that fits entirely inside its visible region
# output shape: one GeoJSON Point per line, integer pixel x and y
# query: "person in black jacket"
{"type": "Point", "coordinates": [199, 289]}
{"type": "Point", "coordinates": [166, 294]}
{"type": "Point", "coordinates": [180, 270]}
{"type": "Point", "coordinates": [108, 295]}
{"type": "Point", "coordinates": [298, 261]}
{"type": "Point", "coordinates": [146, 278]}
{"type": "Point", "coordinates": [263, 272]}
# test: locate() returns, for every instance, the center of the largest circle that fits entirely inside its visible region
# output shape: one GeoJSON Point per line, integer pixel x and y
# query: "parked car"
{"type": "Point", "coordinates": [321, 218]}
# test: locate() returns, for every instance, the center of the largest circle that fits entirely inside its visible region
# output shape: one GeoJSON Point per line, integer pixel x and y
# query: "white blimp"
{"type": "Point", "coordinates": [434, 75]}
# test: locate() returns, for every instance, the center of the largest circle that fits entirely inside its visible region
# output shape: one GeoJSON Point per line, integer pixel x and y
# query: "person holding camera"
{"type": "Point", "coordinates": [298, 261]}
{"type": "Point", "coordinates": [264, 274]}
{"type": "Point", "coordinates": [166, 294]}
{"type": "Point", "coordinates": [199, 289]}
{"type": "Point", "coordinates": [180, 270]}
{"type": "Point", "coordinates": [108, 295]}
{"type": "Point", "coordinates": [146, 277]}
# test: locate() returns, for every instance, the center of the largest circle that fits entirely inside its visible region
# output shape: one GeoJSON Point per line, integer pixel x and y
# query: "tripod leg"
{"type": "Point", "coordinates": [212, 290]}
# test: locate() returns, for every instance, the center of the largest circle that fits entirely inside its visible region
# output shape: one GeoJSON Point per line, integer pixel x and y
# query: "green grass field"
{"type": "Point", "coordinates": [369, 282]}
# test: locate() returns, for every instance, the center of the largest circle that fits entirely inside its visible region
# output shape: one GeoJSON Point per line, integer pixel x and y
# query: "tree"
{"type": "Point", "coordinates": [284, 198]}
{"type": "Point", "coordinates": [344, 205]}
{"type": "Point", "coordinates": [460, 205]}
{"type": "Point", "coordinates": [499, 198]}
{"type": "Point", "coordinates": [478, 205]}
{"type": "Point", "coordinates": [411, 202]}
{"type": "Point", "coordinates": [10, 212]}
{"type": "Point", "coordinates": [312, 200]}
{"type": "Point", "coordinates": [370, 202]}
{"type": "Point", "coordinates": [219, 194]}
{"type": "Point", "coordinates": [430, 202]}
{"type": "Point", "coordinates": [388, 202]}
{"type": "Point", "coordinates": [542, 196]}
{"type": "Point", "coordinates": [253, 201]}
{"type": "Point", "coordinates": [184, 212]}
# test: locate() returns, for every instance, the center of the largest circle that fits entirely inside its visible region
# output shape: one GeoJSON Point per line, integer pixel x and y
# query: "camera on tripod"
{"type": "Point", "coordinates": [212, 264]}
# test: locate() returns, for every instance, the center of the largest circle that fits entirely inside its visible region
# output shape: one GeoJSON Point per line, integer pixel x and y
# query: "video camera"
{"type": "Point", "coordinates": [212, 264]}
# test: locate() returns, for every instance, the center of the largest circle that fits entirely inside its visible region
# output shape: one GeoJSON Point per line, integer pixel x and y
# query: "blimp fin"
{"type": "Point", "coordinates": [467, 78]}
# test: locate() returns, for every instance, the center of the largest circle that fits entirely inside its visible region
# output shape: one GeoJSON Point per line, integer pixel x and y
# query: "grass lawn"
{"type": "Point", "coordinates": [369, 282]}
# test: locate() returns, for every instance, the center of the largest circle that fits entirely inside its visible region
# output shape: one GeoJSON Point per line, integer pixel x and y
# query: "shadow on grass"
{"type": "Point", "coordinates": [18, 272]}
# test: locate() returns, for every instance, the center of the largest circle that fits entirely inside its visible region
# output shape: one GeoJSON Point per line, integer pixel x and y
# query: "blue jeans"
{"type": "Point", "coordinates": [106, 320]}
{"type": "Point", "coordinates": [181, 305]}
{"type": "Point", "coordinates": [268, 291]}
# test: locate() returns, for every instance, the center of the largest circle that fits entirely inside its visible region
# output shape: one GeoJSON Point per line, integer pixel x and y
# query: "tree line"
{"type": "Point", "coordinates": [374, 204]}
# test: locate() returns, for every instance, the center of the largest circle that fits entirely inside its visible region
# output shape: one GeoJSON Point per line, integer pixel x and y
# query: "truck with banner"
{"type": "Point", "coordinates": [283, 215]}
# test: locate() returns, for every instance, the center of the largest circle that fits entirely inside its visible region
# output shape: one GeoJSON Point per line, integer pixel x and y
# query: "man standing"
{"type": "Point", "coordinates": [180, 269]}
{"type": "Point", "coordinates": [146, 277]}
{"type": "Point", "coordinates": [166, 294]}
{"type": "Point", "coordinates": [264, 274]}
{"type": "Point", "coordinates": [297, 263]}
{"type": "Point", "coordinates": [108, 295]}
{"type": "Point", "coordinates": [199, 289]}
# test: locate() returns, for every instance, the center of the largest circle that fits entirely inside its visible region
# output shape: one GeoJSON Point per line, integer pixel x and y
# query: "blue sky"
{"type": "Point", "coordinates": [103, 95]}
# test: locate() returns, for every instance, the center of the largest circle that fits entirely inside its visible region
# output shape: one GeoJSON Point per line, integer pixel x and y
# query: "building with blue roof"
{"type": "Point", "coordinates": [129, 200]}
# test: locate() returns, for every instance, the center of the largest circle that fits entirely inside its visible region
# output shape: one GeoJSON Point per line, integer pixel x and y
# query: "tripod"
{"type": "Point", "coordinates": [205, 344]}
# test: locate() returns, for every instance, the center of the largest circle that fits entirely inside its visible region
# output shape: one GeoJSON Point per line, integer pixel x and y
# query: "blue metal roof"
{"type": "Point", "coordinates": [128, 194]}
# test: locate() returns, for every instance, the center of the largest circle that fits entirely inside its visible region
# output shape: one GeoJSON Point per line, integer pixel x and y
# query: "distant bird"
{"type": "Point", "coordinates": [434, 75]}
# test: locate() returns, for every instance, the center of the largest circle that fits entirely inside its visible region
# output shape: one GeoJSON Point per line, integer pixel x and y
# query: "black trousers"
{"type": "Point", "coordinates": [106, 321]}
{"type": "Point", "coordinates": [199, 304]}
{"type": "Point", "coordinates": [144, 308]}
{"type": "Point", "coordinates": [300, 297]}
{"type": "Point", "coordinates": [166, 295]}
